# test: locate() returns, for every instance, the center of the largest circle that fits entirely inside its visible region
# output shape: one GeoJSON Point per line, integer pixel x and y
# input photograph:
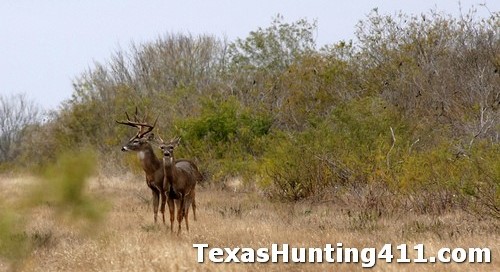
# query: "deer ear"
{"type": "Point", "coordinates": [151, 137]}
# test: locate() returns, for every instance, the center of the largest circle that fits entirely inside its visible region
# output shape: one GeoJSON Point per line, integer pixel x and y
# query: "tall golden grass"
{"type": "Point", "coordinates": [126, 239]}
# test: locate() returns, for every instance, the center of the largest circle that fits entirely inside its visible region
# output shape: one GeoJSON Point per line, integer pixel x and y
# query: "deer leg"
{"type": "Point", "coordinates": [194, 206]}
{"type": "Point", "coordinates": [171, 210]}
{"type": "Point", "coordinates": [188, 203]}
{"type": "Point", "coordinates": [180, 213]}
{"type": "Point", "coordinates": [156, 201]}
{"type": "Point", "coordinates": [163, 202]}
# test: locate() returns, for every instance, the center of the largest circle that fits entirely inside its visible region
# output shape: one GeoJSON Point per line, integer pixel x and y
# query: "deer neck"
{"type": "Point", "coordinates": [150, 162]}
{"type": "Point", "coordinates": [170, 169]}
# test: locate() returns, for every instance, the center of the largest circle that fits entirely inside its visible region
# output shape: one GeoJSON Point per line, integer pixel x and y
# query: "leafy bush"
{"type": "Point", "coordinates": [226, 136]}
{"type": "Point", "coordinates": [63, 185]}
{"type": "Point", "coordinates": [482, 172]}
{"type": "Point", "coordinates": [351, 146]}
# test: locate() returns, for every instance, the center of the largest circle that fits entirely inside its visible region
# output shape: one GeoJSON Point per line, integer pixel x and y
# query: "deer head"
{"type": "Point", "coordinates": [143, 136]}
{"type": "Point", "coordinates": [168, 148]}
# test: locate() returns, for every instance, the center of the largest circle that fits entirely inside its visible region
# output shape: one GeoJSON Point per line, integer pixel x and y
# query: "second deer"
{"type": "Point", "coordinates": [181, 176]}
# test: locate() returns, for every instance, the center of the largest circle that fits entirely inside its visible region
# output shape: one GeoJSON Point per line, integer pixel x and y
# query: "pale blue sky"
{"type": "Point", "coordinates": [45, 44]}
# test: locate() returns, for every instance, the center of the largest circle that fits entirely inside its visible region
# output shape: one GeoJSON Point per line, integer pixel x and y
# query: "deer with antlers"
{"type": "Point", "coordinates": [151, 165]}
{"type": "Point", "coordinates": [182, 176]}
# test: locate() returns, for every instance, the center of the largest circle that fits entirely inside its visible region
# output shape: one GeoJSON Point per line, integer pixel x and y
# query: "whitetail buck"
{"type": "Point", "coordinates": [182, 176]}
{"type": "Point", "coordinates": [151, 165]}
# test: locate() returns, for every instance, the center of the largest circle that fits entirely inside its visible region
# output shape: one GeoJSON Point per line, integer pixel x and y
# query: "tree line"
{"type": "Point", "coordinates": [404, 117]}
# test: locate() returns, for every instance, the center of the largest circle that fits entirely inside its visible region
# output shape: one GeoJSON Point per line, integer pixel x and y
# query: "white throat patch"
{"type": "Point", "coordinates": [169, 160]}
{"type": "Point", "coordinates": [141, 155]}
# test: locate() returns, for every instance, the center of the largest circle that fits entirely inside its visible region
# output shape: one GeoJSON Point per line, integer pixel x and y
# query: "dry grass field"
{"type": "Point", "coordinates": [128, 240]}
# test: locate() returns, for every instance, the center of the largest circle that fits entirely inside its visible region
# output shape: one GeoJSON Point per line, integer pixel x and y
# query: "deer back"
{"type": "Point", "coordinates": [182, 176]}
{"type": "Point", "coordinates": [190, 169]}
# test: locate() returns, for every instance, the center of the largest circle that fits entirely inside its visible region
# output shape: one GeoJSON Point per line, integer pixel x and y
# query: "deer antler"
{"type": "Point", "coordinates": [148, 127]}
{"type": "Point", "coordinates": [160, 139]}
{"type": "Point", "coordinates": [144, 127]}
{"type": "Point", "coordinates": [175, 141]}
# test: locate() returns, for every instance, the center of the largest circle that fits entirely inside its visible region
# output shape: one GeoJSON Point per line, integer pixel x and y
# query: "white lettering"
{"type": "Point", "coordinates": [477, 255]}
{"type": "Point", "coordinates": [277, 252]}
{"type": "Point", "coordinates": [214, 253]}
{"type": "Point", "coordinates": [231, 255]}
{"type": "Point", "coordinates": [247, 255]}
{"type": "Point", "coordinates": [329, 253]}
{"type": "Point", "coordinates": [351, 255]}
{"type": "Point", "coordinates": [263, 255]}
{"type": "Point", "coordinates": [200, 248]}
{"type": "Point", "coordinates": [443, 255]}
{"type": "Point", "coordinates": [298, 255]}
{"type": "Point", "coordinates": [459, 255]}
{"type": "Point", "coordinates": [315, 255]}
{"type": "Point", "coordinates": [368, 257]}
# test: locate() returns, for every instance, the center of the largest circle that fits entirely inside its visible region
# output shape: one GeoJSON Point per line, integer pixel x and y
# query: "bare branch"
{"type": "Point", "coordinates": [16, 114]}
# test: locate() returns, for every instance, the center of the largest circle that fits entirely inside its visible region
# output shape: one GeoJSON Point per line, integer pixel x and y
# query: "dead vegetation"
{"type": "Point", "coordinates": [128, 240]}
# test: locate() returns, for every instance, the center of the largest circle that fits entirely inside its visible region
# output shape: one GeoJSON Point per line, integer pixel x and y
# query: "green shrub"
{"type": "Point", "coordinates": [64, 185]}
{"type": "Point", "coordinates": [226, 137]}
{"type": "Point", "coordinates": [63, 188]}
{"type": "Point", "coordinates": [483, 183]}
{"type": "Point", "coordinates": [350, 147]}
